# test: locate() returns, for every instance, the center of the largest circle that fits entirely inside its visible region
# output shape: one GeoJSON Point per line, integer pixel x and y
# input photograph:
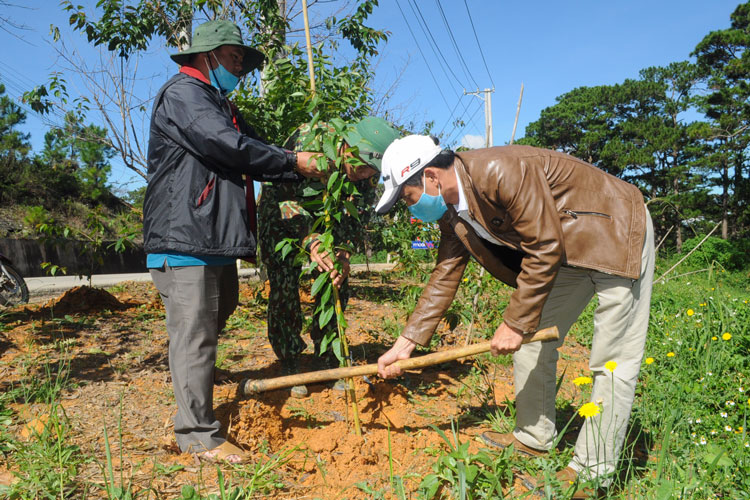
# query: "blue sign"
{"type": "Point", "coordinates": [422, 245]}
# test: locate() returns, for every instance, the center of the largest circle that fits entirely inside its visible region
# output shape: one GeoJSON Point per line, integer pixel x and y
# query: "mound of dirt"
{"type": "Point", "coordinates": [83, 299]}
{"type": "Point", "coordinates": [320, 428]}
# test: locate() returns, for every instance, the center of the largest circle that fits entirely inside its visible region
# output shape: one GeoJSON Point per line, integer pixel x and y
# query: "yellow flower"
{"type": "Point", "coordinates": [579, 381]}
{"type": "Point", "coordinates": [610, 365]}
{"type": "Point", "coordinates": [649, 361]}
{"type": "Point", "coordinates": [670, 355]}
{"type": "Point", "coordinates": [690, 312]}
{"type": "Point", "coordinates": [727, 336]}
{"type": "Point", "coordinates": [714, 338]}
{"type": "Point", "coordinates": [466, 280]}
{"type": "Point", "coordinates": [589, 410]}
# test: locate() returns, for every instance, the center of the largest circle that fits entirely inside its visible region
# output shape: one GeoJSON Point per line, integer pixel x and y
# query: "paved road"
{"type": "Point", "coordinates": [55, 285]}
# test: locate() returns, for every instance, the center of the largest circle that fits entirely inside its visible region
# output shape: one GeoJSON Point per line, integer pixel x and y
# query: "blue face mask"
{"type": "Point", "coordinates": [429, 208]}
{"type": "Point", "coordinates": [223, 79]}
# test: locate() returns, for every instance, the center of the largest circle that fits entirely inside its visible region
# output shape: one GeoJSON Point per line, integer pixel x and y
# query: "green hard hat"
{"type": "Point", "coordinates": [208, 36]}
{"type": "Point", "coordinates": [371, 135]}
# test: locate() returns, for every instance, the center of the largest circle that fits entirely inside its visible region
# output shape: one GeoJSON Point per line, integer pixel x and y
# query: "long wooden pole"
{"type": "Point", "coordinates": [518, 111]}
{"type": "Point", "coordinates": [248, 387]}
{"type": "Point", "coordinates": [310, 66]}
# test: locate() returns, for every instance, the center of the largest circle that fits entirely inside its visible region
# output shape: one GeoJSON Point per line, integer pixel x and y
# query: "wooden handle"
{"type": "Point", "coordinates": [248, 387]}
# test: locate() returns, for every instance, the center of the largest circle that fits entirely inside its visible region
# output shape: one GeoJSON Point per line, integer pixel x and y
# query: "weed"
{"type": "Point", "coordinates": [46, 464]}
{"type": "Point", "coordinates": [465, 475]}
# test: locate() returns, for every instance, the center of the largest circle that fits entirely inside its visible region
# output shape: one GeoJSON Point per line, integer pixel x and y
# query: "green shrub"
{"type": "Point", "coordinates": [727, 254]}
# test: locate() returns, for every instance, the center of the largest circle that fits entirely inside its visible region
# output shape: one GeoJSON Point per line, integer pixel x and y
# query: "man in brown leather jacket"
{"type": "Point", "coordinates": [558, 230]}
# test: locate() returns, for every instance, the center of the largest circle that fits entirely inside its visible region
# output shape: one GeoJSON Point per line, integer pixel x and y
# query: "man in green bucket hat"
{"type": "Point", "coordinates": [199, 216]}
{"type": "Point", "coordinates": [282, 216]}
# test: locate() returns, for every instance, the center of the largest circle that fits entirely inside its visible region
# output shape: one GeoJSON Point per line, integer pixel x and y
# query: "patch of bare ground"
{"type": "Point", "coordinates": [111, 348]}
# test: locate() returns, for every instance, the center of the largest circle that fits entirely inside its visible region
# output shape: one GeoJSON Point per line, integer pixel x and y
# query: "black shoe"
{"type": "Point", "coordinates": [291, 367]}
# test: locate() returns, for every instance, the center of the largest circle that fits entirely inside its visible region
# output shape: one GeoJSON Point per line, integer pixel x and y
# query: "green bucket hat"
{"type": "Point", "coordinates": [213, 34]}
{"type": "Point", "coordinates": [371, 135]}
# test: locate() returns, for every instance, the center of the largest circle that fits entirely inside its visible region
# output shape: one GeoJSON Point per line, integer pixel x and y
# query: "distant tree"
{"type": "Point", "coordinates": [672, 177]}
{"type": "Point", "coordinates": [14, 146]}
{"type": "Point", "coordinates": [724, 60]}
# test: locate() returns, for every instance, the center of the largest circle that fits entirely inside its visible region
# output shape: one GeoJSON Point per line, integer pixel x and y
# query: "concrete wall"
{"type": "Point", "coordinates": [28, 255]}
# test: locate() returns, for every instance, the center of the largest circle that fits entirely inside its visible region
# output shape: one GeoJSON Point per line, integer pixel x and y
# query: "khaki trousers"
{"type": "Point", "coordinates": [620, 326]}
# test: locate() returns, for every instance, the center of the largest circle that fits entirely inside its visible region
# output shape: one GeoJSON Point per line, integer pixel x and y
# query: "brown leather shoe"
{"type": "Point", "coordinates": [504, 440]}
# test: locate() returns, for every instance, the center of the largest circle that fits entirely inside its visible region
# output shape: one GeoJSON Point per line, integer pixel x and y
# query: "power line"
{"type": "Point", "coordinates": [461, 59]}
{"type": "Point", "coordinates": [422, 23]}
{"type": "Point", "coordinates": [416, 42]}
{"type": "Point", "coordinates": [426, 30]}
{"type": "Point", "coordinates": [451, 115]}
{"type": "Point", "coordinates": [458, 132]}
{"type": "Point", "coordinates": [481, 52]}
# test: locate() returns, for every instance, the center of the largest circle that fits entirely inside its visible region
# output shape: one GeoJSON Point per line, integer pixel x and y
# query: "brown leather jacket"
{"type": "Point", "coordinates": [548, 209]}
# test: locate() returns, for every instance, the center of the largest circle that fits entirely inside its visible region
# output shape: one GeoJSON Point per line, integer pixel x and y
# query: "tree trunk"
{"type": "Point", "coordinates": [677, 218]}
{"type": "Point", "coordinates": [725, 201]}
{"type": "Point", "coordinates": [185, 28]}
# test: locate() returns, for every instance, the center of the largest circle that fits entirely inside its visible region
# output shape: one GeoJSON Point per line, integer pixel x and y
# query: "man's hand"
{"type": "Point", "coordinates": [307, 165]}
{"type": "Point", "coordinates": [401, 349]}
{"type": "Point", "coordinates": [506, 340]}
{"type": "Point", "coordinates": [324, 262]}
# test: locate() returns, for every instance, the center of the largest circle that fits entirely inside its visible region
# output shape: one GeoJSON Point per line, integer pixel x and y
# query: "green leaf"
{"type": "Point", "coordinates": [351, 209]}
{"type": "Point", "coordinates": [326, 316]}
{"type": "Point", "coordinates": [310, 191]}
{"type": "Point", "coordinates": [332, 180]}
{"type": "Point", "coordinates": [330, 150]}
{"type": "Point", "coordinates": [319, 282]}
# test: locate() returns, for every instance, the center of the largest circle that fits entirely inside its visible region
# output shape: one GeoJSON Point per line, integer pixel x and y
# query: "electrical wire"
{"type": "Point", "coordinates": [436, 50]}
{"type": "Point", "coordinates": [428, 33]}
{"type": "Point", "coordinates": [416, 42]}
{"type": "Point", "coordinates": [453, 136]}
{"type": "Point", "coordinates": [481, 52]}
{"type": "Point", "coordinates": [461, 59]}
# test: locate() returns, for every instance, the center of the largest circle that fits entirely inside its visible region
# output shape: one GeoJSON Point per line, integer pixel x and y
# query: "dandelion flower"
{"type": "Point", "coordinates": [466, 280]}
{"type": "Point", "coordinates": [579, 381]}
{"type": "Point", "coordinates": [589, 410]}
{"type": "Point", "coordinates": [610, 365]}
{"type": "Point", "coordinates": [670, 355]}
{"type": "Point", "coordinates": [690, 312]}
{"type": "Point", "coordinates": [714, 338]}
{"type": "Point", "coordinates": [649, 361]}
{"type": "Point", "coordinates": [727, 336]}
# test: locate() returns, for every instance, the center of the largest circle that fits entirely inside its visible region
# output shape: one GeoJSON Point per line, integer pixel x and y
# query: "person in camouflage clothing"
{"type": "Point", "coordinates": [280, 216]}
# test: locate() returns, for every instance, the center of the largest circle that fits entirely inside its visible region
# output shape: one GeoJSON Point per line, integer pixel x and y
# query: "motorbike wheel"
{"type": "Point", "coordinates": [13, 289]}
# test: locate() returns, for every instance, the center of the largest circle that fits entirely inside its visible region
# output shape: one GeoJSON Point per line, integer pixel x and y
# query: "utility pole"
{"type": "Point", "coordinates": [487, 113]}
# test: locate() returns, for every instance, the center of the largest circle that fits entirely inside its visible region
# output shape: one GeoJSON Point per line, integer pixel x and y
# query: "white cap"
{"type": "Point", "coordinates": [403, 159]}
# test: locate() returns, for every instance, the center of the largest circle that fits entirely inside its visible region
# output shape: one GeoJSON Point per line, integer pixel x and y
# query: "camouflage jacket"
{"type": "Point", "coordinates": [282, 214]}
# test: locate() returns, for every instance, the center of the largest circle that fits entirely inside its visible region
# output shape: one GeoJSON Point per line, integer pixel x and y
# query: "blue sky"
{"type": "Point", "coordinates": [550, 46]}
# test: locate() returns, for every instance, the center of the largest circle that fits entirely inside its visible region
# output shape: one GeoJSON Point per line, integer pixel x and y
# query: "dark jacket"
{"type": "Point", "coordinates": [547, 209]}
{"type": "Point", "coordinates": [195, 199]}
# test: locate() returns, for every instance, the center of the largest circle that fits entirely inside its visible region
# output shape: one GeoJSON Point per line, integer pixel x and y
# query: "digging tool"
{"type": "Point", "coordinates": [248, 387]}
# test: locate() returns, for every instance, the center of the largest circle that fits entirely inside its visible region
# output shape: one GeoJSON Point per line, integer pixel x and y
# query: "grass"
{"type": "Point", "coordinates": [688, 436]}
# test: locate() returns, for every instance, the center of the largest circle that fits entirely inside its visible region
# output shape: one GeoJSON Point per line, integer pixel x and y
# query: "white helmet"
{"type": "Point", "coordinates": [403, 159]}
